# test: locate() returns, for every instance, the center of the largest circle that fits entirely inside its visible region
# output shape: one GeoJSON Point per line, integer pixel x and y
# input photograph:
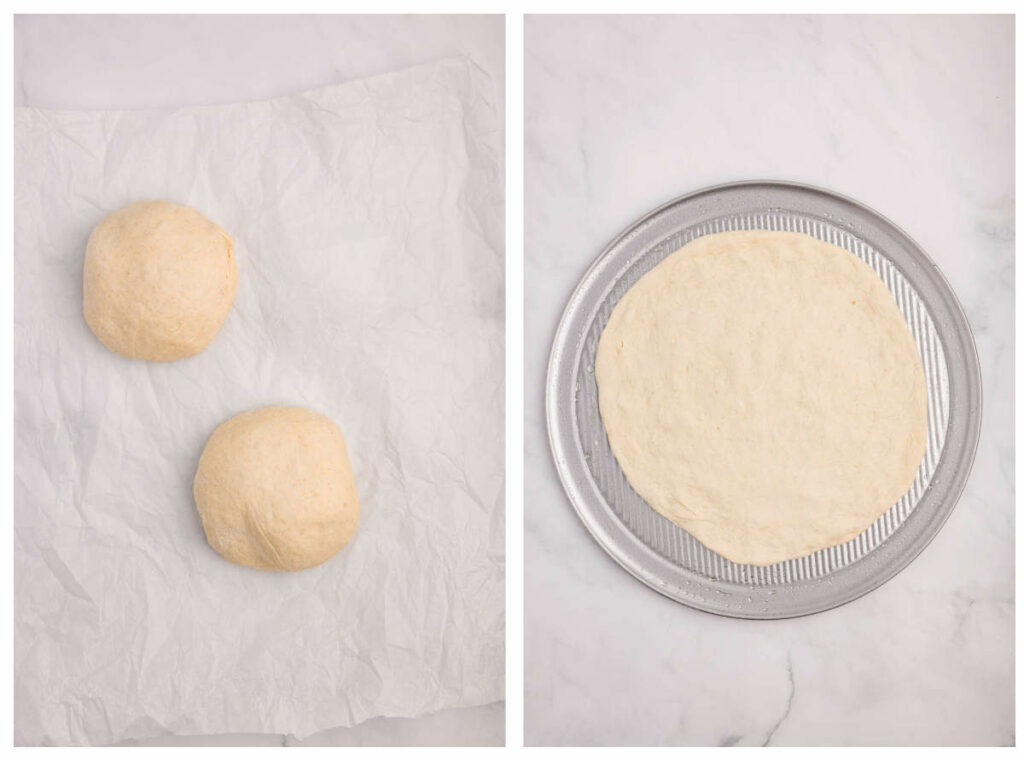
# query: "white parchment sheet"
{"type": "Point", "coordinates": [368, 226]}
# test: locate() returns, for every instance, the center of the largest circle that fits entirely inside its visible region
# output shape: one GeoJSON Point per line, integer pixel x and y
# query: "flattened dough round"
{"type": "Point", "coordinates": [275, 489]}
{"type": "Point", "coordinates": [762, 391]}
{"type": "Point", "coordinates": [158, 281]}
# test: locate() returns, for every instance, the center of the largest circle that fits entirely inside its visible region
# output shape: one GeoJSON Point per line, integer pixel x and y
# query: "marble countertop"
{"type": "Point", "coordinates": [129, 62]}
{"type": "Point", "coordinates": [912, 116]}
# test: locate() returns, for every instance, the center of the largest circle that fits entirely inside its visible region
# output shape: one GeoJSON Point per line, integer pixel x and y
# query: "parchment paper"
{"type": "Point", "coordinates": [367, 220]}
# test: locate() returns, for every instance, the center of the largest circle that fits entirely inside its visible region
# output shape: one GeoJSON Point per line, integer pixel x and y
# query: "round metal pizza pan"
{"type": "Point", "coordinates": [663, 555]}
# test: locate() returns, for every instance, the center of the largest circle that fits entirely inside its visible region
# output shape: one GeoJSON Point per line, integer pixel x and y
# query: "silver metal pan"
{"type": "Point", "coordinates": [666, 557]}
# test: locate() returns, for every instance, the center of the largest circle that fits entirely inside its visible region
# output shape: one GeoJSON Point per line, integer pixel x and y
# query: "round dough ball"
{"type": "Point", "coordinates": [762, 391]}
{"type": "Point", "coordinates": [275, 489]}
{"type": "Point", "coordinates": [158, 281]}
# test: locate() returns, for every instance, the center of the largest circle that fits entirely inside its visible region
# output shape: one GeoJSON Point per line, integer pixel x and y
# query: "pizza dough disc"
{"type": "Point", "coordinates": [275, 490]}
{"type": "Point", "coordinates": [762, 391]}
{"type": "Point", "coordinates": [158, 281]}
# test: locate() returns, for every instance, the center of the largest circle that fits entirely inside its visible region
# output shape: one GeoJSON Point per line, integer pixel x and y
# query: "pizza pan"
{"type": "Point", "coordinates": [666, 557]}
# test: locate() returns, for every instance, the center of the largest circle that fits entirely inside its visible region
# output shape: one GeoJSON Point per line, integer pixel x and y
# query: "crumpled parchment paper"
{"type": "Point", "coordinates": [368, 227]}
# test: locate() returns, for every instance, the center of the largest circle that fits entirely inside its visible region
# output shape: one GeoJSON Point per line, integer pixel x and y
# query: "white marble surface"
{"type": "Point", "coordinates": [129, 62]}
{"type": "Point", "coordinates": [912, 116]}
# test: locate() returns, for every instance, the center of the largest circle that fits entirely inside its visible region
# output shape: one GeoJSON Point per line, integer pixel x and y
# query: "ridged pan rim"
{"type": "Point", "coordinates": [848, 583]}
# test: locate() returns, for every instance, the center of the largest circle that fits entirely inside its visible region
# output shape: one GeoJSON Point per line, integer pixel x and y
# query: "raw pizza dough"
{"type": "Point", "coordinates": [275, 489]}
{"type": "Point", "coordinates": [158, 280]}
{"type": "Point", "coordinates": [762, 391]}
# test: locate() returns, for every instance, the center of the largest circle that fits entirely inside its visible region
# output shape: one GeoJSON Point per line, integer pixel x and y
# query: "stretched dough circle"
{"type": "Point", "coordinates": [762, 391]}
{"type": "Point", "coordinates": [158, 281]}
{"type": "Point", "coordinates": [275, 490]}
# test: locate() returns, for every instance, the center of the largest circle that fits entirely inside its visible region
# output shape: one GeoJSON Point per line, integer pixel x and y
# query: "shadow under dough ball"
{"type": "Point", "coordinates": [275, 489]}
{"type": "Point", "coordinates": [158, 281]}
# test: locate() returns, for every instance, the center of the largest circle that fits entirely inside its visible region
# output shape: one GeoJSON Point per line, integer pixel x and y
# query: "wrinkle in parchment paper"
{"type": "Point", "coordinates": [367, 220]}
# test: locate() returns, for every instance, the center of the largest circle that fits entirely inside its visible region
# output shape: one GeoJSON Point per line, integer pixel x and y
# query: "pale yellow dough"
{"type": "Point", "coordinates": [762, 391]}
{"type": "Point", "coordinates": [275, 490]}
{"type": "Point", "coordinates": [158, 281]}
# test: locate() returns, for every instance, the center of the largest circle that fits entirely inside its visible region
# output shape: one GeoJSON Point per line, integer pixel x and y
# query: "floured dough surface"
{"type": "Point", "coordinates": [762, 391]}
{"type": "Point", "coordinates": [158, 280]}
{"type": "Point", "coordinates": [275, 490]}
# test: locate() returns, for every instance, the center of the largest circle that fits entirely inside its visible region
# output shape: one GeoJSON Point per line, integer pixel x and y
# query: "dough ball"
{"type": "Point", "coordinates": [275, 489]}
{"type": "Point", "coordinates": [762, 391]}
{"type": "Point", "coordinates": [158, 281]}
